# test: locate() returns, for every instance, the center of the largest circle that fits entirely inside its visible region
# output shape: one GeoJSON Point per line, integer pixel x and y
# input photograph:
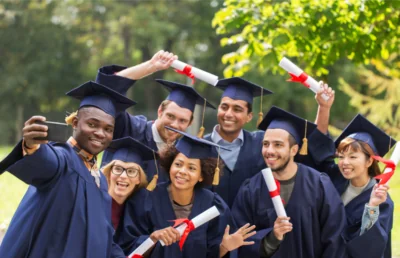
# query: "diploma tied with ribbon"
{"type": "Point", "coordinates": [193, 72]}
{"type": "Point", "coordinates": [300, 76]}
{"type": "Point", "coordinates": [142, 249]}
{"type": "Point", "coordinates": [274, 192]}
{"type": "Point", "coordinates": [185, 225]}
{"type": "Point", "coordinates": [390, 165]}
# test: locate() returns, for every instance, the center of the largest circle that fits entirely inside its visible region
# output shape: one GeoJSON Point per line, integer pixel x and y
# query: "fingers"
{"type": "Point", "coordinates": [248, 243]}
{"type": "Point", "coordinates": [33, 119]}
{"type": "Point", "coordinates": [31, 131]}
{"type": "Point", "coordinates": [227, 230]}
{"type": "Point", "coordinates": [249, 235]}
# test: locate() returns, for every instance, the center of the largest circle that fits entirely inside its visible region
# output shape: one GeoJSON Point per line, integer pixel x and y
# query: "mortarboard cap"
{"type": "Point", "coordinates": [128, 149]}
{"type": "Point", "coordinates": [299, 128]}
{"type": "Point", "coordinates": [194, 147]}
{"type": "Point", "coordinates": [102, 97]}
{"type": "Point", "coordinates": [240, 89]}
{"type": "Point", "coordinates": [106, 76]}
{"type": "Point", "coordinates": [183, 95]}
{"type": "Point", "coordinates": [363, 130]}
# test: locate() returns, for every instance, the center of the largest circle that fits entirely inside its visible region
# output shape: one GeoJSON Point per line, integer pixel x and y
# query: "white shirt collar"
{"type": "Point", "coordinates": [157, 138]}
{"type": "Point", "coordinates": [216, 137]}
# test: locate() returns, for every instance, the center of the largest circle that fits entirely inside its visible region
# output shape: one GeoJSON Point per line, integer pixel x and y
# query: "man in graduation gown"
{"type": "Point", "coordinates": [175, 111]}
{"type": "Point", "coordinates": [244, 159]}
{"type": "Point", "coordinates": [316, 215]}
{"type": "Point", "coordinates": [66, 211]}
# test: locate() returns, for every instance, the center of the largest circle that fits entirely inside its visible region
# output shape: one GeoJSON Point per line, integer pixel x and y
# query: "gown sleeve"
{"type": "Point", "coordinates": [244, 211]}
{"type": "Point", "coordinates": [216, 227]}
{"type": "Point", "coordinates": [136, 226]}
{"type": "Point", "coordinates": [332, 219]}
{"type": "Point", "coordinates": [376, 240]}
{"type": "Point", "coordinates": [41, 169]}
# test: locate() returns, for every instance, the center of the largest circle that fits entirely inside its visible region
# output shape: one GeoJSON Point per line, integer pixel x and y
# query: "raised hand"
{"type": "Point", "coordinates": [378, 195]}
{"type": "Point", "coordinates": [162, 60]}
{"type": "Point", "coordinates": [325, 89]}
{"type": "Point", "coordinates": [168, 235]}
{"type": "Point", "coordinates": [237, 239]}
{"type": "Point", "coordinates": [32, 130]}
{"type": "Point", "coordinates": [282, 226]}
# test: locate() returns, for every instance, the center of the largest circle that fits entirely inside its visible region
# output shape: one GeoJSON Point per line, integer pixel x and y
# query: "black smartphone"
{"type": "Point", "coordinates": [57, 132]}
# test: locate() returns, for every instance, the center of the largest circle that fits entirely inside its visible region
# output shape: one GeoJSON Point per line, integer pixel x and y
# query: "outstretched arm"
{"type": "Point", "coordinates": [324, 107]}
{"type": "Point", "coordinates": [160, 61]}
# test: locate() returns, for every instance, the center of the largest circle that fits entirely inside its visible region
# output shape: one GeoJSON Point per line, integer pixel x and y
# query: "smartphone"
{"type": "Point", "coordinates": [57, 132]}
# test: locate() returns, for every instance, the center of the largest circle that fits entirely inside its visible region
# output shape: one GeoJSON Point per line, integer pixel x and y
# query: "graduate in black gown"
{"type": "Point", "coordinates": [191, 166]}
{"type": "Point", "coordinates": [369, 208]}
{"type": "Point", "coordinates": [124, 173]}
{"type": "Point", "coordinates": [244, 159]}
{"type": "Point", "coordinates": [315, 212]}
{"type": "Point", "coordinates": [175, 111]}
{"type": "Point", "coordinates": [66, 211]}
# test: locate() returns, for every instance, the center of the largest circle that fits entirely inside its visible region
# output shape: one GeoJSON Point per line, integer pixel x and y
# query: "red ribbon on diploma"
{"type": "Point", "coordinates": [302, 78]}
{"type": "Point", "coordinates": [384, 178]}
{"type": "Point", "coordinates": [190, 227]}
{"type": "Point", "coordinates": [187, 70]}
{"type": "Point", "coordinates": [137, 256]}
{"type": "Point", "coordinates": [277, 191]}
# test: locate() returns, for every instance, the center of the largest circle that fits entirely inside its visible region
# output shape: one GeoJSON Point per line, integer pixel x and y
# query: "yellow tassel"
{"type": "Point", "coordinates": [152, 185]}
{"type": "Point", "coordinates": [260, 118]}
{"type": "Point", "coordinates": [200, 134]}
{"type": "Point", "coordinates": [216, 176]}
{"type": "Point", "coordinates": [304, 147]}
{"type": "Point", "coordinates": [71, 117]}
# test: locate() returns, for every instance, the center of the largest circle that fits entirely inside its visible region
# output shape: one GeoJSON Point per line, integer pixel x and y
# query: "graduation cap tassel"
{"type": "Point", "coordinates": [153, 183]}
{"type": "Point", "coordinates": [71, 117]}
{"type": "Point", "coordinates": [216, 172]}
{"type": "Point", "coordinates": [304, 147]}
{"type": "Point", "coordinates": [200, 134]}
{"type": "Point", "coordinates": [260, 114]}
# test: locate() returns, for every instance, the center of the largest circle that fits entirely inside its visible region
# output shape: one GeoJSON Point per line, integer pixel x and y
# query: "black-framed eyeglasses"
{"type": "Point", "coordinates": [130, 172]}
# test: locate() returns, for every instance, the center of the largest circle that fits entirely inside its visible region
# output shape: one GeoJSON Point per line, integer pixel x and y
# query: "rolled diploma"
{"type": "Point", "coordinates": [277, 200]}
{"type": "Point", "coordinates": [294, 69]}
{"type": "Point", "coordinates": [198, 73]}
{"type": "Point", "coordinates": [395, 158]}
{"type": "Point", "coordinates": [143, 248]}
{"type": "Point", "coordinates": [199, 220]}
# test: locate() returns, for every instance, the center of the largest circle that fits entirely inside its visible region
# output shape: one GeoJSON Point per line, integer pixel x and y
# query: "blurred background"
{"type": "Point", "coordinates": [49, 47]}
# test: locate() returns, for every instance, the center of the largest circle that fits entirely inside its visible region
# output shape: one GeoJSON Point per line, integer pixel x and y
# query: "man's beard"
{"type": "Point", "coordinates": [282, 167]}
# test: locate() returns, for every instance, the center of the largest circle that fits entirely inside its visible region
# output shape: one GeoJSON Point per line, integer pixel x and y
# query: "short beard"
{"type": "Point", "coordinates": [281, 168]}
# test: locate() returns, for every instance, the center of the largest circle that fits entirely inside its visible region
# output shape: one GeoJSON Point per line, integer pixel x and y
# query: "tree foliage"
{"type": "Point", "coordinates": [316, 32]}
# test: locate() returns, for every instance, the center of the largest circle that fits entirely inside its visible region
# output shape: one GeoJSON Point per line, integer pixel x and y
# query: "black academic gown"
{"type": "Point", "coordinates": [138, 128]}
{"type": "Point", "coordinates": [148, 211]}
{"type": "Point", "coordinates": [315, 209]}
{"type": "Point", "coordinates": [376, 242]}
{"type": "Point", "coordinates": [63, 213]}
{"type": "Point", "coordinates": [249, 162]}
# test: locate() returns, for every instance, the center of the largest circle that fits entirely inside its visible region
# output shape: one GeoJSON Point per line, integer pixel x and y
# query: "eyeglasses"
{"type": "Point", "coordinates": [130, 172]}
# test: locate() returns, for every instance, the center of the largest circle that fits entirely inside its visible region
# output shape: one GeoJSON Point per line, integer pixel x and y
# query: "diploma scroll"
{"type": "Point", "coordinates": [196, 72]}
{"type": "Point", "coordinates": [273, 192]}
{"type": "Point", "coordinates": [199, 220]}
{"type": "Point", "coordinates": [142, 249]}
{"type": "Point", "coordinates": [299, 75]}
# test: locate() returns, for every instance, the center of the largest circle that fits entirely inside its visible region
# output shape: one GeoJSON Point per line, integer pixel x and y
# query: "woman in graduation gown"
{"type": "Point", "coordinates": [66, 209]}
{"type": "Point", "coordinates": [149, 214]}
{"type": "Point", "coordinates": [369, 208]}
{"type": "Point", "coordinates": [124, 174]}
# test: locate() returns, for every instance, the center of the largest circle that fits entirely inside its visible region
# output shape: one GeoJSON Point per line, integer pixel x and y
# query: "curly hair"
{"type": "Point", "coordinates": [208, 165]}
{"type": "Point", "coordinates": [356, 145]}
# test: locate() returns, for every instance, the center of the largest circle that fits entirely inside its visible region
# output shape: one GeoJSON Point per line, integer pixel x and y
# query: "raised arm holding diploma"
{"type": "Point", "coordinates": [299, 75]}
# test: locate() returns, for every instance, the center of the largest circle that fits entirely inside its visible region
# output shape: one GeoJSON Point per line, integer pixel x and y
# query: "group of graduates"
{"type": "Point", "coordinates": [75, 208]}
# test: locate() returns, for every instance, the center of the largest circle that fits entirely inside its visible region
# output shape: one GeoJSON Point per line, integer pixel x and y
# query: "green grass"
{"type": "Point", "coordinates": [12, 191]}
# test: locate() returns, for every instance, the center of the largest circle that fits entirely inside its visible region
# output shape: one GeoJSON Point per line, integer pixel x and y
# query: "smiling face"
{"type": "Point", "coordinates": [121, 186]}
{"type": "Point", "coordinates": [355, 160]}
{"type": "Point", "coordinates": [185, 173]}
{"type": "Point", "coordinates": [93, 129]}
{"type": "Point", "coordinates": [233, 115]}
{"type": "Point", "coordinates": [279, 149]}
{"type": "Point", "coordinates": [172, 115]}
